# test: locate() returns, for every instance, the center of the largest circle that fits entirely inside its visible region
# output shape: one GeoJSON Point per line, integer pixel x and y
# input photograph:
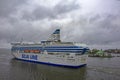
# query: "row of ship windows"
{"type": "Point", "coordinates": [47, 49]}
{"type": "Point", "coordinates": [44, 47]}
{"type": "Point", "coordinates": [65, 51]}
{"type": "Point", "coordinates": [38, 51]}
{"type": "Point", "coordinates": [64, 47]}
{"type": "Point", "coordinates": [52, 49]}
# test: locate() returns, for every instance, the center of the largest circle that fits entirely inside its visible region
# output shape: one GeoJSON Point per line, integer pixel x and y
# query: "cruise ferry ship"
{"type": "Point", "coordinates": [52, 52]}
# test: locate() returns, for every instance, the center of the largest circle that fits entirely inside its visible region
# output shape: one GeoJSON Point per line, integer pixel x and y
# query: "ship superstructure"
{"type": "Point", "coordinates": [52, 52]}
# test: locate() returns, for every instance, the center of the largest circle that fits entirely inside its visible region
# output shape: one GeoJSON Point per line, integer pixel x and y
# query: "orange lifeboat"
{"type": "Point", "coordinates": [26, 51]}
{"type": "Point", "coordinates": [37, 51]}
{"type": "Point", "coordinates": [32, 51]}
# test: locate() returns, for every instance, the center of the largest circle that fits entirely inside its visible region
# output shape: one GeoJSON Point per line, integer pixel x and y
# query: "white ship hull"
{"type": "Point", "coordinates": [55, 60]}
{"type": "Point", "coordinates": [52, 52]}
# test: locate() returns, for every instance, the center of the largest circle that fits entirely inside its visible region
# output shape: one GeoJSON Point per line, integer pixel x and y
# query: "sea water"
{"type": "Point", "coordinates": [96, 69]}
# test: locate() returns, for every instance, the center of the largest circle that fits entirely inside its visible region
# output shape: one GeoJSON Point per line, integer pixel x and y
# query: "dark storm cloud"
{"type": "Point", "coordinates": [20, 30]}
{"type": "Point", "coordinates": [8, 6]}
{"type": "Point", "coordinates": [42, 12]}
{"type": "Point", "coordinates": [64, 8]}
{"type": "Point", "coordinates": [14, 31]}
{"type": "Point", "coordinates": [38, 23]}
{"type": "Point", "coordinates": [102, 30]}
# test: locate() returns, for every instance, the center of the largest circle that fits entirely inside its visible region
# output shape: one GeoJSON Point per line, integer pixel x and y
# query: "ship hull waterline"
{"type": "Point", "coordinates": [60, 64]}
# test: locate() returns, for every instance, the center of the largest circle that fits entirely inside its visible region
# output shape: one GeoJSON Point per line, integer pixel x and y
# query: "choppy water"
{"type": "Point", "coordinates": [97, 69]}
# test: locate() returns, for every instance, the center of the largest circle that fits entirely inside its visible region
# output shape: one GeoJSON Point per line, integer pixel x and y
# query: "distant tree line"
{"type": "Point", "coordinates": [112, 50]}
{"type": "Point", "coordinates": [108, 51]}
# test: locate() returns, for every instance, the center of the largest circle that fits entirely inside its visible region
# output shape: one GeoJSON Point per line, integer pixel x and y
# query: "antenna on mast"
{"type": "Point", "coordinates": [21, 40]}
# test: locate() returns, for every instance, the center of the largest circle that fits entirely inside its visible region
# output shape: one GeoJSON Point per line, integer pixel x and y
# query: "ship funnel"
{"type": "Point", "coordinates": [55, 36]}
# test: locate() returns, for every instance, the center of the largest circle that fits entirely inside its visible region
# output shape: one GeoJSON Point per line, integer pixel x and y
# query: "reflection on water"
{"type": "Point", "coordinates": [97, 69]}
{"type": "Point", "coordinates": [33, 71]}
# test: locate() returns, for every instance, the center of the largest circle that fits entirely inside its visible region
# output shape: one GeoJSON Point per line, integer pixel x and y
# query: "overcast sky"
{"type": "Point", "coordinates": [93, 22]}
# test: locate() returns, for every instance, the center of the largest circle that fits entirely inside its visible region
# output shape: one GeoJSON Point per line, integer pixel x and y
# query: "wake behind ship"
{"type": "Point", "coordinates": [52, 52]}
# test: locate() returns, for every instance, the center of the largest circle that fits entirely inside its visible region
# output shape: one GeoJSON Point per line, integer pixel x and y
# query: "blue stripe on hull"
{"type": "Point", "coordinates": [52, 47]}
{"type": "Point", "coordinates": [69, 66]}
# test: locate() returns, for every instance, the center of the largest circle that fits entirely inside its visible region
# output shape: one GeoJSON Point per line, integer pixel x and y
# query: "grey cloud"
{"type": "Point", "coordinates": [95, 30]}
{"type": "Point", "coordinates": [8, 6]}
{"type": "Point", "coordinates": [14, 30]}
{"type": "Point", "coordinates": [63, 8]}
{"type": "Point", "coordinates": [98, 29]}
{"type": "Point", "coordinates": [42, 12]}
{"type": "Point", "coordinates": [103, 32]}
